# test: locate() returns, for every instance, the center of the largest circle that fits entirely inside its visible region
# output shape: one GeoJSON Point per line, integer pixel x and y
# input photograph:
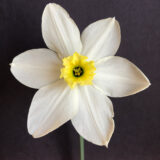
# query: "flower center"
{"type": "Point", "coordinates": [77, 70]}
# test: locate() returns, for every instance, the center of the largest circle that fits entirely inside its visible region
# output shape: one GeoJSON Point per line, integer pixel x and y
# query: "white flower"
{"type": "Point", "coordinates": [70, 87]}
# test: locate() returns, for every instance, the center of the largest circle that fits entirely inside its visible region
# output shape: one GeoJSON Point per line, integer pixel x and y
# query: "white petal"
{"type": "Point", "coordinates": [59, 31]}
{"type": "Point", "coordinates": [94, 120]}
{"type": "Point", "coordinates": [101, 38]}
{"type": "Point", "coordinates": [118, 77]}
{"type": "Point", "coordinates": [51, 107]}
{"type": "Point", "coordinates": [36, 68]}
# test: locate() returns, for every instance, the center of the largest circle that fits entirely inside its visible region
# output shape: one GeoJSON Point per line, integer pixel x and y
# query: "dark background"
{"type": "Point", "coordinates": [137, 118]}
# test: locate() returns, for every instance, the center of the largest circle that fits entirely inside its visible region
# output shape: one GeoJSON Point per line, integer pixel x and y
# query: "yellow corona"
{"type": "Point", "coordinates": [77, 70]}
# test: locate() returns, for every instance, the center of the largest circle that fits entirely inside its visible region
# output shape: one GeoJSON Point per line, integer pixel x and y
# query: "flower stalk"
{"type": "Point", "coordinates": [81, 148]}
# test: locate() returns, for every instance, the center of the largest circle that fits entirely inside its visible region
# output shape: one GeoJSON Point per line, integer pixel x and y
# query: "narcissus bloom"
{"type": "Point", "coordinates": [76, 75]}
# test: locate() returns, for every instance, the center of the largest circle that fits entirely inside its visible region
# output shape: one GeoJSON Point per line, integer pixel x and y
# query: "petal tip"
{"type": "Point", "coordinates": [34, 136]}
{"type": "Point", "coordinates": [113, 19]}
{"type": "Point", "coordinates": [106, 144]}
{"type": "Point", "coordinates": [147, 82]}
{"type": "Point", "coordinates": [143, 87]}
{"type": "Point", "coordinates": [50, 5]}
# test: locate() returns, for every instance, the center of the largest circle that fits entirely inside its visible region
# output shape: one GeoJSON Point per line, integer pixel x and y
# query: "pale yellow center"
{"type": "Point", "coordinates": [77, 70]}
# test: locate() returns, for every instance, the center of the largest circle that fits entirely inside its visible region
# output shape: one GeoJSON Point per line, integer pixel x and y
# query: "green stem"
{"type": "Point", "coordinates": [81, 148]}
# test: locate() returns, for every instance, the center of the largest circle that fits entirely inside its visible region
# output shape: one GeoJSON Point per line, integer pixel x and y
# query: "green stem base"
{"type": "Point", "coordinates": [81, 148]}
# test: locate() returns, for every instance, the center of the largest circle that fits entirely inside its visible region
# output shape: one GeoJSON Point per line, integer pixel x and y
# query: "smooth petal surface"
{"type": "Point", "coordinates": [118, 77]}
{"type": "Point", "coordinates": [36, 68]}
{"type": "Point", "coordinates": [94, 120]}
{"type": "Point", "coordinates": [101, 38]}
{"type": "Point", "coordinates": [51, 107]}
{"type": "Point", "coordinates": [59, 31]}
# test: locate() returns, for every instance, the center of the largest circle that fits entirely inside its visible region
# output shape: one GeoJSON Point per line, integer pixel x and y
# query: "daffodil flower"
{"type": "Point", "coordinates": [76, 75]}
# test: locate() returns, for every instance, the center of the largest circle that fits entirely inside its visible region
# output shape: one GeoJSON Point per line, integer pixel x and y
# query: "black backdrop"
{"type": "Point", "coordinates": [137, 118]}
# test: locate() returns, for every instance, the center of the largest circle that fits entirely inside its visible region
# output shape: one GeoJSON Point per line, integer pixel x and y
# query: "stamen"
{"type": "Point", "coordinates": [78, 71]}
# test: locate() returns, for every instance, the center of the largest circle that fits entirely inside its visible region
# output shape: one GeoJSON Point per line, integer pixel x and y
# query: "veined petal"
{"type": "Point", "coordinates": [94, 120]}
{"type": "Point", "coordinates": [118, 77]}
{"type": "Point", "coordinates": [59, 31]}
{"type": "Point", "coordinates": [101, 38]}
{"type": "Point", "coordinates": [36, 68]}
{"type": "Point", "coordinates": [51, 107]}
